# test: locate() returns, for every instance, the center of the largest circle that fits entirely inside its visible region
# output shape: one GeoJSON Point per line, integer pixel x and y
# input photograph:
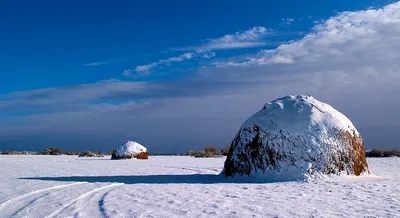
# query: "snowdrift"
{"type": "Point", "coordinates": [294, 137]}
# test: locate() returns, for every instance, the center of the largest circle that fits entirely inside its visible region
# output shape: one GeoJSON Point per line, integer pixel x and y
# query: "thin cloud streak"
{"type": "Point", "coordinates": [99, 63]}
{"type": "Point", "coordinates": [144, 70]}
{"type": "Point", "coordinates": [252, 37]}
{"type": "Point", "coordinates": [247, 39]}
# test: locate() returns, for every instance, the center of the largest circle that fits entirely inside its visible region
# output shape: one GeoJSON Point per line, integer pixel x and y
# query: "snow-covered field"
{"type": "Point", "coordinates": [68, 186]}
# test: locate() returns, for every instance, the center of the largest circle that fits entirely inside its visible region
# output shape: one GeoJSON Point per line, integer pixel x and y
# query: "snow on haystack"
{"type": "Point", "coordinates": [130, 150]}
{"type": "Point", "coordinates": [294, 137]}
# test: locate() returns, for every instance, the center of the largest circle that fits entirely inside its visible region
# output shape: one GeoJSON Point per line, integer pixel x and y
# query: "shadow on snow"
{"type": "Point", "coordinates": [160, 179]}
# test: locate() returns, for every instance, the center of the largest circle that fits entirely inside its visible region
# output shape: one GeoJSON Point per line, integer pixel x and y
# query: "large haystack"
{"type": "Point", "coordinates": [293, 137]}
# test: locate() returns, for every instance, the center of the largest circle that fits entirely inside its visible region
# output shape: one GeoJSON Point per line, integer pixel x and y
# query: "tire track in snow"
{"type": "Point", "coordinates": [207, 168]}
{"type": "Point", "coordinates": [101, 205]}
{"type": "Point", "coordinates": [28, 204]}
{"type": "Point", "coordinates": [195, 169]}
{"type": "Point", "coordinates": [21, 197]}
{"type": "Point", "coordinates": [86, 194]}
{"type": "Point", "coordinates": [102, 208]}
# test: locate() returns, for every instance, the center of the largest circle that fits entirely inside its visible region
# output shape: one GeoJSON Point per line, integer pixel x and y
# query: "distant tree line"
{"type": "Point", "coordinates": [167, 154]}
{"type": "Point", "coordinates": [91, 154]}
{"type": "Point", "coordinates": [210, 151]}
{"type": "Point", "coordinates": [8, 152]}
{"type": "Point", "coordinates": [55, 151]}
{"type": "Point", "coordinates": [382, 153]}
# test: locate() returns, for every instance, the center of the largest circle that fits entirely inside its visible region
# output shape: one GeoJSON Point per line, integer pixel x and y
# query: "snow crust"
{"type": "Point", "coordinates": [68, 186]}
{"type": "Point", "coordinates": [296, 113]}
{"type": "Point", "coordinates": [130, 147]}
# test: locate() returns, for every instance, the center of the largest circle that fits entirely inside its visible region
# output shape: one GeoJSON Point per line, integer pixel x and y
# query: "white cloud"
{"type": "Point", "coordinates": [288, 21]}
{"type": "Point", "coordinates": [208, 55]}
{"type": "Point", "coordinates": [144, 70]}
{"type": "Point", "coordinates": [249, 38]}
{"type": "Point", "coordinates": [351, 60]}
{"type": "Point", "coordinates": [94, 64]}
{"type": "Point", "coordinates": [261, 58]}
{"type": "Point", "coordinates": [127, 73]}
{"type": "Point", "coordinates": [182, 57]}
{"type": "Point", "coordinates": [363, 37]}
{"type": "Point", "coordinates": [252, 34]}
{"type": "Point", "coordinates": [99, 63]}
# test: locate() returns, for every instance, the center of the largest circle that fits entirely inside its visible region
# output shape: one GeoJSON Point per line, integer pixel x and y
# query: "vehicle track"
{"type": "Point", "coordinates": [15, 206]}
{"type": "Point", "coordinates": [102, 208]}
{"type": "Point", "coordinates": [28, 204]}
{"type": "Point", "coordinates": [21, 197]}
{"type": "Point", "coordinates": [207, 168]}
{"type": "Point", "coordinates": [194, 169]}
{"type": "Point", "coordinates": [82, 196]}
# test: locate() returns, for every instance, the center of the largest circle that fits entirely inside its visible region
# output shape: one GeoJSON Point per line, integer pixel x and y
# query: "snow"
{"type": "Point", "coordinates": [68, 186]}
{"type": "Point", "coordinates": [130, 147]}
{"type": "Point", "coordinates": [296, 137]}
{"type": "Point", "coordinates": [297, 113]}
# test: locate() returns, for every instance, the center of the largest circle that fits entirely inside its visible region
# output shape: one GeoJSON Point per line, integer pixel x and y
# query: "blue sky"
{"type": "Point", "coordinates": [61, 61]}
{"type": "Point", "coordinates": [55, 40]}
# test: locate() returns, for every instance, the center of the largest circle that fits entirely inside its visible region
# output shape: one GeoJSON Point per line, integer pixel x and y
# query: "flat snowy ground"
{"type": "Point", "coordinates": [68, 186]}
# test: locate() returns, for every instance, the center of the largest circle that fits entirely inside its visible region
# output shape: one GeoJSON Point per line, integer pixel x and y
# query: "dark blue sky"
{"type": "Point", "coordinates": [63, 59]}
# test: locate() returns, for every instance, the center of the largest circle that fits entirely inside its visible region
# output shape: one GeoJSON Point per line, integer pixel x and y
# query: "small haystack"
{"type": "Point", "coordinates": [130, 150]}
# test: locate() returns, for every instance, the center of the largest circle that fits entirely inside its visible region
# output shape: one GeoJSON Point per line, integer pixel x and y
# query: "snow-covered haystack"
{"type": "Point", "coordinates": [294, 137]}
{"type": "Point", "coordinates": [130, 150]}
